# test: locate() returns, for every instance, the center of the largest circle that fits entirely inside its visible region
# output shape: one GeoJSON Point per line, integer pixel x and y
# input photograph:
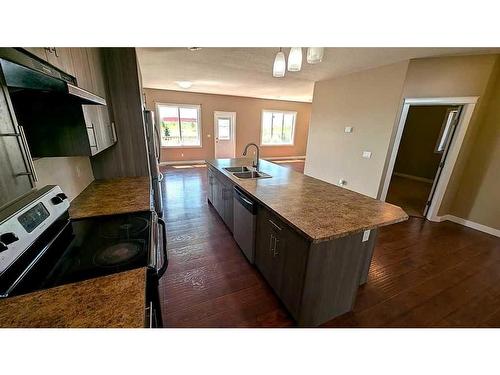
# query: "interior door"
{"type": "Point", "coordinates": [225, 131]}
{"type": "Point", "coordinates": [443, 144]}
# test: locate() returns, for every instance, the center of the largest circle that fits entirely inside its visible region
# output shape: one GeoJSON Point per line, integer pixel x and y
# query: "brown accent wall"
{"type": "Point", "coordinates": [416, 156]}
{"type": "Point", "coordinates": [248, 122]}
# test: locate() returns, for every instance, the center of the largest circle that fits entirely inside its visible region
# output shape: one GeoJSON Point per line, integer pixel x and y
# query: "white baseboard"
{"type": "Point", "coordinates": [182, 162]}
{"type": "Point", "coordinates": [284, 157]}
{"type": "Point", "coordinates": [411, 177]}
{"type": "Point", "coordinates": [470, 224]}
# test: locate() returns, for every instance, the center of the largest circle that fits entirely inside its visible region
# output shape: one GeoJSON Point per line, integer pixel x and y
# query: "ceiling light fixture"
{"type": "Point", "coordinates": [279, 66]}
{"type": "Point", "coordinates": [194, 48]}
{"type": "Point", "coordinates": [315, 55]}
{"type": "Point", "coordinates": [295, 59]}
{"type": "Point", "coordinates": [184, 84]}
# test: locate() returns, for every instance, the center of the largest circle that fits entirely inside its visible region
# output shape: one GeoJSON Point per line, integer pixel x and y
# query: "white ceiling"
{"type": "Point", "coordinates": [248, 71]}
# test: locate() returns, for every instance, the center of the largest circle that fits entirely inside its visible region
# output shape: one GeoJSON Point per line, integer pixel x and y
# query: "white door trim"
{"type": "Point", "coordinates": [468, 104]}
{"type": "Point", "coordinates": [233, 129]}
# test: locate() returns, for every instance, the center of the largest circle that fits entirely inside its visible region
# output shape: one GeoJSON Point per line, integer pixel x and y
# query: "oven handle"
{"type": "Point", "coordinates": [163, 268]}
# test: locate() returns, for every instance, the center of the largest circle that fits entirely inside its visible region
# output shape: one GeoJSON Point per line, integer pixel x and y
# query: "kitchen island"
{"type": "Point", "coordinates": [314, 240]}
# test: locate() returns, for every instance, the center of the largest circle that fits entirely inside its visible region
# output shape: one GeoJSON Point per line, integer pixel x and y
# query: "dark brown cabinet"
{"type": "Point", "coordinates": [220, 194]}
{"type": "Point", "coordinates": [281, 256]}
{"type": "Point", "coordinates": [90, 75]}
{"type": "Point", "coordinates": [56, 56]}
{"type": "Point", "coordinates": [17, 176]}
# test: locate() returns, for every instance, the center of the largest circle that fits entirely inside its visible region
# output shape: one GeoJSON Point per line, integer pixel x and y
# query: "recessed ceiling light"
{"type": "Point", "coordinates": [194, 48]}
{"type": "Point", "coordinates": [184, 84]}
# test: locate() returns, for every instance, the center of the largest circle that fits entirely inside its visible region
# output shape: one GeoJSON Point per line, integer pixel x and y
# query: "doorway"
{"type": "Point", "coordinates": [225, 134]}
{"type": "Point", "coordinates": [426, 137]}
{"type": "Point", "coordinates": [421, 194]}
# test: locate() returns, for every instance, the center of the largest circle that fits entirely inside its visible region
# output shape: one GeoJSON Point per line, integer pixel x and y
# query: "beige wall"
{"type": "Point", "coordinates": [369, 102]}
{"type": "Point", "coordinates": [477, 196]}
{"type": "Point", "coordinates": [72, 174]}
{"type": "Point", "coordinates": [416, 156]}
{"type": "Point", "coordinates": [248, 122]}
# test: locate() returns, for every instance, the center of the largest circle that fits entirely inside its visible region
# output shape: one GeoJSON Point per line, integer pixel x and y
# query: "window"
{"type": "Point", "coordinates": [180, 125]}
{"type": "Point", "coordinates": [278, 128]}
{"type": "Point", "coordinates": [224, 128]}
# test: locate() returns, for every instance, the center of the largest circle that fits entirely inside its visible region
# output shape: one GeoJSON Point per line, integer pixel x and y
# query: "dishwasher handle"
{"type": "Point", "coordinates": [245, 200]}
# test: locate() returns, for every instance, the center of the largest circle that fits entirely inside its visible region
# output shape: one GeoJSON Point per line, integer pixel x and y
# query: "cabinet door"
{"type": "Point", "coordinates": [40, 52]}
{"type": "Point", "coordinates": [218, 201]}
{"type": "Point", "coordinates": [91, 119]}
{"type": "Point", "coordinates": [227, 197]}
{"type": "Point", "coordinates": [281, 255]}
{"type": "Point", "coordinates": [14, 168]}
{"type": "Point", "coordinates": [61, 58]}
{"type": "Point", "coordinates": [81, 66]}
{"type": "Point", "coordinates": [96, 62]}
{"type": "Point", "coordinates": [268, 246]}
{"type": "Point", "coordinates": [210, 186]}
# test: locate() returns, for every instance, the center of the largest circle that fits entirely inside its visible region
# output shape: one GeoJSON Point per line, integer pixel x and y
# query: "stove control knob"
{"type": "Point", "coordinates": [56, 200]}
{"type": "Point", "coordinates": [62, 196]}
{"type": "Point", "coordinates": [8, 238]}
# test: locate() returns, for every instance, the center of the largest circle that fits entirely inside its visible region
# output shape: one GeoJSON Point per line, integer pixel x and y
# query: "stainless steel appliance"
{"type": "Point", "coordinates": [40, 247]}
{"type": "Point", "coordinates": [154, 143]}
{"type": "Point", "coordinates": [244, 216]}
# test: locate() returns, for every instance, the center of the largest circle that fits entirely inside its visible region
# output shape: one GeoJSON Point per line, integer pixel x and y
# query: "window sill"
{"type": "Point", "coordinates": [280, 145]}
{"type": "Point", "coordinates": [181, 147]}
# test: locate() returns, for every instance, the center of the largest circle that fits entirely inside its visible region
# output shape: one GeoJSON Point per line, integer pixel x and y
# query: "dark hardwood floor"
{"type": "Point", "coordinates": [423, 274]}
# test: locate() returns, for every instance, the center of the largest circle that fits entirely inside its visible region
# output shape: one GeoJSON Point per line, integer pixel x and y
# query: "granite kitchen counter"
{"type": "Point", "coordinates": [317, 209]}
{"type": "Point", "coordinates": [111, 197]}
{"type": "Point", "coordinates": [114, 301]}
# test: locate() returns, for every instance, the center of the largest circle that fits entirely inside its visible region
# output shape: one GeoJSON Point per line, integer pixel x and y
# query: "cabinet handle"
{"type": "Point", "coordinates": [95, 137]}
{"type": "Point", "coordinates": [275, 251]}
{"type": "Point", "coordinates": [276, 226]}
{"type": "Point", "coordinates": [32, 171]}
{"type": "Point", "coordinates": [113, 131]}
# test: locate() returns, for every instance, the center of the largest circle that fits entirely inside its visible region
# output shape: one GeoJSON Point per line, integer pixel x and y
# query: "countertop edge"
{"type": "Point", "coordinates": [308, 237]}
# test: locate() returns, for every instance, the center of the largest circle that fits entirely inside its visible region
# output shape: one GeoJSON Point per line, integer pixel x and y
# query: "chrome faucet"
{"type": "Point", "coordinates": [256, 161]}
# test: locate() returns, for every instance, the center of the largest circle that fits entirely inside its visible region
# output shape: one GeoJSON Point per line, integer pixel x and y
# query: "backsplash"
{"type": "Point", "coordinates": [72, 174]}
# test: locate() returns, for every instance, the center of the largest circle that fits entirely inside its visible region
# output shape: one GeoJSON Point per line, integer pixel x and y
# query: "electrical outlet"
{"type": "Point", "coordinates": [367, 154]}
{"type": "Point", "coordinates": [348, 129]}
{"type": "Point", "coordinates": [366, 236]}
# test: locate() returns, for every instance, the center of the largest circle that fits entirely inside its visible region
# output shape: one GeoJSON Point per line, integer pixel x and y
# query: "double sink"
{"type": "Point", "coordinates": [246, 173]}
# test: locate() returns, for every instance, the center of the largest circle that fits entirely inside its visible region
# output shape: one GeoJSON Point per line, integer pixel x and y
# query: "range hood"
{"type": "Point", "coordinates": [23, 72]}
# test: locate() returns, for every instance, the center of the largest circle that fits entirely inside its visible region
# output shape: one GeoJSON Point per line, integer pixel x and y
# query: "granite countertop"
{"type": "Point", "coordinates": [113, 196]}
{"type": "Point", "coordinates": [317, 209]}
{"type": "Point", "coordinates": [114, 301]}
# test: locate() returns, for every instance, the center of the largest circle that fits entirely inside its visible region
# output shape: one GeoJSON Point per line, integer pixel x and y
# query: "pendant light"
{"type": "Point", "coordinates": [315, 55]}
{"type": "Point", "coordinates": [295, 59]}
{"type": "Point", "coordinates": [279, 66]}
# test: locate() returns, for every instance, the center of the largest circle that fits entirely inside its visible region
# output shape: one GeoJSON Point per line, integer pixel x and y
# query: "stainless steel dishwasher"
{"type": "Point", "coordinates": [244, 219]}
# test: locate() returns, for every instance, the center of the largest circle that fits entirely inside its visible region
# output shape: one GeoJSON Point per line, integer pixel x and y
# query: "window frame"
{"type": "Point", "coordinates": [294, 113]}
{"type": "Point", "coordinates": [179, 105]}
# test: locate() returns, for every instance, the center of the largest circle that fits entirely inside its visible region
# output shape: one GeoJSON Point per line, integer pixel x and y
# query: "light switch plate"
{"type": "Point", "coordinates": [348, 129]}
{"type": "Point", "coordinates": [366, 235]}
{"type": "Point", "coordinates": [367, 154]}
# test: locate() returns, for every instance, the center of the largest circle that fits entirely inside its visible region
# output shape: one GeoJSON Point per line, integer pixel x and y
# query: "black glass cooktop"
{"type": "Point", "coordinates": [94, 247]}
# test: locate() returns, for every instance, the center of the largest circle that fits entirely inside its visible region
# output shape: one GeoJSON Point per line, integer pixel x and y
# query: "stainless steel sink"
{"type": "Point", "coordinates": [237, 169]}
{"type": "Point", "coordinates": [251, 175]}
